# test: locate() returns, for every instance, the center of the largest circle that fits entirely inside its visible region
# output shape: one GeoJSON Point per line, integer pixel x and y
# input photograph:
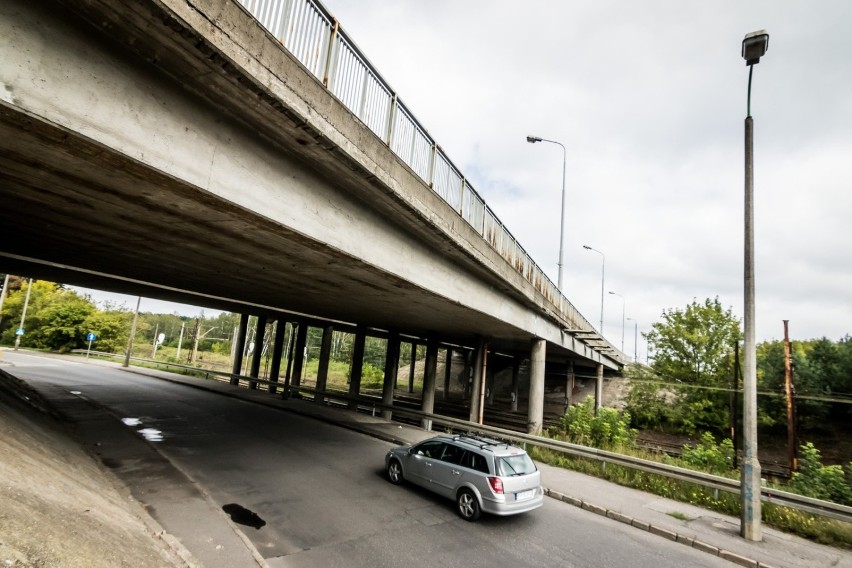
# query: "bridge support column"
{"type": "Point", "coordinates": [535, 411]}
{"type": "Point", "coordinates": [429, 379]}
{"type": "Point", "coordinates": [277, 354]}
{"type": "Point", "coordinates": [299, 355]}
{"type": "Point", "coordinates": [516, 376]}
{"type": "Point", "coordinates": [448, 370]}
{"type": "Point", "coordinates": [324, 358]}
{"type": "Point", "coordinates": [391, 370]}
{"type": "Point", "coordinates": [599, 389]}
{"type": "Point", "coordinates": [357, 366]}
{"type": "Point", "coordinates": [257, 355]}
{"type": "Point", "coordinates": [477, 388]}
{"type": "Point", "coordinates": [569, 386]}
{"type": "Point", "coordinates": [239, 348]}
{"type": "Point", "coordinates": [411, 366]}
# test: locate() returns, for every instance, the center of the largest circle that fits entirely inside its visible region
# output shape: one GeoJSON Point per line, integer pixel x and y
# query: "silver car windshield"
{"type": "Point", "coordinates": [520, 464]}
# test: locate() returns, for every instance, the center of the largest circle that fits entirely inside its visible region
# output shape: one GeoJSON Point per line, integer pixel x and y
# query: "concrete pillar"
{"type": "Point", "coordinates": [299, 355]}
{"type": "Point", "coordinates": [239, 348]}
{"type": "Point", "coordinates": [259, 338]}
{"type": "Point", "coordinates": [357, 366]}
{"type": "Point", "coordinates": [391, 370]}
{"type": "Point", "coordinates": [322, 368]}
{"type": "Point", "coordinates": [516, 379]}
{"type": "Point", "coordinates": [411, 367]}
{"type": "Point", "coordinates": [535, 411]}
{"type": "Point", "coordinates": [429, 379]}
{"type": "Point", "coordinates": [599, 389]}
{"type": "Point", "coordinates": [476, 390]}
{"type": "Point", "coordinates": [448, 370]}
{"type": "Point", "coordinates": [277, 354]}
{"type": "Point", "coordinates": [569, 386]}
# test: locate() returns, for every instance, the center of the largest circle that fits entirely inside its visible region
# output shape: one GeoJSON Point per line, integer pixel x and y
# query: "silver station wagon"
{"type": "Point", "coordinates": [479, 474]}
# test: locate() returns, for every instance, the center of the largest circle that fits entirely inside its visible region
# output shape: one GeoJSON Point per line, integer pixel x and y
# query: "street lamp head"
{"type": "Point", "coordinates": [533, 139]}
{"type": "Point", "coordinates": [755, 46]}
{"type": "Point", "coordinates": [587, 247]}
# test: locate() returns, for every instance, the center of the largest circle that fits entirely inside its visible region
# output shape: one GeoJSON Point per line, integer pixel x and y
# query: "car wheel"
{"type": "Point", "coordinates": [468, 506]}
{"type": "Point", "coordinates": [394, 472]}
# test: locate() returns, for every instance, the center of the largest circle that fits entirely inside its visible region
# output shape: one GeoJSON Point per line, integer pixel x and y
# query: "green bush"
{"type": "Point", "coordinates": [609, 429]}
{"type": "Point", "coordinates": [708, 456]}
{"type": "Point", "coordinates": [826, 482]}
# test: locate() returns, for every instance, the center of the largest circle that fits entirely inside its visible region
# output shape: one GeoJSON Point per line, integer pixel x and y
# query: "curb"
{"type": "Point", "coordinates": [665, 533]}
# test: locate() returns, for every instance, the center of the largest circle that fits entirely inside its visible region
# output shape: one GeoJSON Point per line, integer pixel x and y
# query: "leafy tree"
{"type": "Point", "coordinates": [694, 345]}
{"type": "Point", "coordinates": [112, 329]}
{"type": "Point", "coordinates": [694, 348]}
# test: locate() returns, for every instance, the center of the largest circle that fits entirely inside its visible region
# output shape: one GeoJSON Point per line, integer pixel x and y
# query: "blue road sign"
{"type": "Point", "coordinates": [19, 331]}
{"type": "Point", "coordinates": [91, 337]}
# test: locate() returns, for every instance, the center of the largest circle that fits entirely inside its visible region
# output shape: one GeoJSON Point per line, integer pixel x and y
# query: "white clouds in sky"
{"type": "Point", "coordinates": [649, 99]}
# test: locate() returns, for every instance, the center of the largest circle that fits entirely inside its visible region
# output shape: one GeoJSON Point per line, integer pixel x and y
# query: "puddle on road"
{"type": "Point", "coordinates": [151, 434]}
{"type": "Point", "coordinates": [243, 516]}
{"type": "Point", "coordinates": [75, 393]}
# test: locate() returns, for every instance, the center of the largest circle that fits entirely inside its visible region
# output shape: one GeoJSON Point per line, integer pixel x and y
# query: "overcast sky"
{"type": "Point", "coordinates": [649, 99]}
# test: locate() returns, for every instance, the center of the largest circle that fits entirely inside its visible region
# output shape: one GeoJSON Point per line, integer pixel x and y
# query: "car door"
{"type": "Point", "coordinates": [447, 472]}
{"type": "Point", "coordinates": [421, 461]}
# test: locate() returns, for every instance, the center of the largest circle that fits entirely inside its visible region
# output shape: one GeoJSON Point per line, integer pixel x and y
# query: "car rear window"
{"type": "Point", "coordinates": [519, 464]}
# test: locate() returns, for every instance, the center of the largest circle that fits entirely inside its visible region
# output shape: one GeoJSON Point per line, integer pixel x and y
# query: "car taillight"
{"type": "Point", "coordinates": [496, 484]}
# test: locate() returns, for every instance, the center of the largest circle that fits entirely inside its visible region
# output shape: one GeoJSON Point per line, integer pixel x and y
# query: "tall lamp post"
{"type": "Point", "coordinates": [622, 317]}
{"type": "Point", "coordinates": [603, 264]}
{"type": "Point", "coordinates": [533, 140]}
{"type": "Point", "coordinates": [754, 47]}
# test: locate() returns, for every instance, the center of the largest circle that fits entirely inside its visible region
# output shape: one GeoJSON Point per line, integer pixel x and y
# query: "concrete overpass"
{"type": "Point", "coordinates": [176, 149]}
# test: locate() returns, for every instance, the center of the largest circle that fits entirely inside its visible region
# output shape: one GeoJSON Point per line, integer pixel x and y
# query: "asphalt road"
{"type": "Point", "coordinates": [306, 493]}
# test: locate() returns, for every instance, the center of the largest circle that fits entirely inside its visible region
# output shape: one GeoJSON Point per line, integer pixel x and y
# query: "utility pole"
{"type": "Point", "coordinates": [791, 412]}
{"type": "Point", "coordinates": [23, 315]}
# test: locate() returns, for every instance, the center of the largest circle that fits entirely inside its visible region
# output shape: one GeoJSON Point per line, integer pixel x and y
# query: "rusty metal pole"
{"type": "Point", "coordinates": [788, 391]}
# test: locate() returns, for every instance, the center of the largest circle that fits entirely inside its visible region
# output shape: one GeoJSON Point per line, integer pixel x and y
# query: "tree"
{"type": "Point", "coordinates": [694, 348]}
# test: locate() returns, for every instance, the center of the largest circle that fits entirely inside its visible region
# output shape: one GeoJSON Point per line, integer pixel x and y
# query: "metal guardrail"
{"type": "Point", "coordinates": [309, 31]}
{"type": "Point", "coordinates": [769, 495]}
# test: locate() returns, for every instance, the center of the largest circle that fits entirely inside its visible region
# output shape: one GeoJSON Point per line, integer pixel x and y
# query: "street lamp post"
{"type": "Point", "coordinates": [754, 47]}
{"type": "Point", "coordinates": [533, 140]}
{"type": "Point", "coordinates": [603, 264]}
{"type": "Point", "coordinates": [623, 302]}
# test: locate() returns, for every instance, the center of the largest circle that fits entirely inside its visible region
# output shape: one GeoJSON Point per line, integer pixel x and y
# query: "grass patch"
{"type": "Point", "coordinates": [817, 529]}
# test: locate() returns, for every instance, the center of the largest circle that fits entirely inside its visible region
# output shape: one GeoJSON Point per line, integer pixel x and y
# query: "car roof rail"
{"type": "Point", "coordinates": [481, 442]}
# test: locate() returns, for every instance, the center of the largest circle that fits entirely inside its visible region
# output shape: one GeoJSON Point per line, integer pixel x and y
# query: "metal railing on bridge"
{"type": "Point", "coordinates": [309, 31]}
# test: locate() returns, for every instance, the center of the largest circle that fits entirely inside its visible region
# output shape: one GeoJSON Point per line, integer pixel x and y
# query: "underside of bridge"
{"type": "Point", "coordinates": [77, 211]}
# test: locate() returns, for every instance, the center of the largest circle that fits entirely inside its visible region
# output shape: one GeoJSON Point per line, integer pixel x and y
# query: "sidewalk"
{"type": "Point", "coordinates": [705, 530]}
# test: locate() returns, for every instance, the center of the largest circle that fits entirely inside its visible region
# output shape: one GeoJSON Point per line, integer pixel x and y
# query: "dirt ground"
{"type": "Point", "coordinates": [60, 508]}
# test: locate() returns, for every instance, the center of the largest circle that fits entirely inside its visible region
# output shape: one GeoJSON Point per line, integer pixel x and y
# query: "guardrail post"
{"type": "Point", "coordinates": [391, 128]}
{"type": "Point", "coordinates": [328, 72]}
{"type": "Point", "coordinates": [431, 172]}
